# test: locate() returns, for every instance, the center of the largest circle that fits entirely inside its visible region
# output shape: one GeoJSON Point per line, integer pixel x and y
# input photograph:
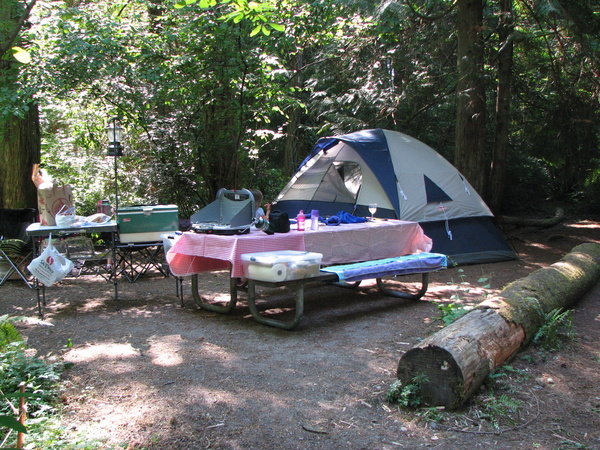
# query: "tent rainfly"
{"type": "Point", "coordinates": [408, 180]}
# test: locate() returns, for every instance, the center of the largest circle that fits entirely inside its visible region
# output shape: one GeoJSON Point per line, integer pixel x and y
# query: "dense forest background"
{"type": "Point", "coordinates": [234, 94]}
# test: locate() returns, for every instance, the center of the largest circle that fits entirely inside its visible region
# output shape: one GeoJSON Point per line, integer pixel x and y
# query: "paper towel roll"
{"type": "Point", "coordinates": [276, 272]}
{"type": "Point", "coordinates": [279, 272]}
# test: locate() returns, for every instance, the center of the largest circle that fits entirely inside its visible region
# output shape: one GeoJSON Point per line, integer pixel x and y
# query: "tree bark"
{"type": "Point", "coordinates": [19, 150]}
{"type": "Point", "coordinates": [9, 38]}
{"type": "Point", "coordinates": [503, 92]}
{"type": "Point", "coordinates": [457, 359]}
{"type": "Point", "coordinates": [19, 136]}
{"type": "Point", "coordinates": [470, 157]}
{"type": "Point", "coordinates": [290, 156]}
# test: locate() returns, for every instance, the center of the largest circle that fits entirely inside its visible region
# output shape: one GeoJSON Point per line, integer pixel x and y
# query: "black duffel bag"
{"type": "Point", "coordinates": [280, 221]}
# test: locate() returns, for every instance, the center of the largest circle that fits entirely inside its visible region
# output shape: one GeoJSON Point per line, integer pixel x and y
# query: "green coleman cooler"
{"type": "Point", "coordinates": [146, 223]}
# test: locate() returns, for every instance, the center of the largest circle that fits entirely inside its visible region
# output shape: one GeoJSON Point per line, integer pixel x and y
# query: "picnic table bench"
{"type": "Point", "coordinates": [351, 275]}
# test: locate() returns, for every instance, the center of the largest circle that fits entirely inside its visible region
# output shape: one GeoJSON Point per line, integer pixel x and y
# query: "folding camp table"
{"type": "Point", "coordinates": [39, 230]}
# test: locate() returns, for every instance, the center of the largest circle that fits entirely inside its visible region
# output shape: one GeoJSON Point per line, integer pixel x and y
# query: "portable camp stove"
{"type": "Point", "coordinates": [231, 213]}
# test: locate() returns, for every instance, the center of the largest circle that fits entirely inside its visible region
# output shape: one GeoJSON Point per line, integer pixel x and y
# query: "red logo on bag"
{"type": "Point", "coordinates": [50, 260]}
{"type": "Point", "coordinates": [58, 204]}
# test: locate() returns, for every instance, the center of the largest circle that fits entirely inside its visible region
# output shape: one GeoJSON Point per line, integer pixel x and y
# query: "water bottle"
{"type": "Point", "coordinates": [265, 225]}
{"type": "Point", "coordinates": [314, 220]}
{"type": "Point", "coordinates": [300, 220]}
{"type": "Point", "coordinates": [103, 206]}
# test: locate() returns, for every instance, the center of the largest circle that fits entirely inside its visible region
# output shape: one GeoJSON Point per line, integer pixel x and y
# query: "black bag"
{"type": "Point", "coordinates": [280, 221]}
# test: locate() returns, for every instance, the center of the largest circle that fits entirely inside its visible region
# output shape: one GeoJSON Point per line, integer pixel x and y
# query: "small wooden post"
{"type": "Point", "coordinates": [22, 415]}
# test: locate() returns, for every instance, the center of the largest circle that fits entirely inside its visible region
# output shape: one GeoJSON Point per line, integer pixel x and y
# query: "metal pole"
{"type": "Point", "coordinates": [116, 176]}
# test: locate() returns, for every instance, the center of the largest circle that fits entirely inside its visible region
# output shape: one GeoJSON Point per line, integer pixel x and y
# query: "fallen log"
{"type": "Point", "coordinates": [558, 217]}
{"type": "Point", "coordinates": [457, 359]}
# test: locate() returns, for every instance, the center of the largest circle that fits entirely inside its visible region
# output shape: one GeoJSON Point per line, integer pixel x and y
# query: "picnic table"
{"type": "Point", "coordinates": [194, 253]}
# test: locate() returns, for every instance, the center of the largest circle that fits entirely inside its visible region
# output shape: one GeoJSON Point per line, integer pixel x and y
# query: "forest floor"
{"type": "Point", "coordinates": [156, 375]}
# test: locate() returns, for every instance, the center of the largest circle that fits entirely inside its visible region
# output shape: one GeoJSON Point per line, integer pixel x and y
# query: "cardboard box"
{"type": "Point", "coordinates": [146, 223]}
{"type": "Point", "coordinates": [284, 265]}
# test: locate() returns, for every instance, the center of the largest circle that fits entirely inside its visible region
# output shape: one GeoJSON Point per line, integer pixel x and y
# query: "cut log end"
{"type": "Point", "coordinates": [442, 373]}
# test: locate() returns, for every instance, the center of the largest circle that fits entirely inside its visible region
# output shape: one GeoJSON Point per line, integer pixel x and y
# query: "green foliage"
{"type": "Point", "coordinates": [194, 101]}
{"type": "Point", "coordinates": [557, 328]}
{"type": "Point", "coordinates": [408, 396]}
{"type": "Point", "coordinates": [41, 377]}
{"type": "Point", "coordinates": [452, 311]}
{"type": "Point", "coordinates": [497, 409]}
{"type": "Point", "coordinates": [8, 333]}
{"type": "Point", "coordinates": [206, 89]}
{"type": "Point", "coordinates": [504, 379]}
{"type": "Point", "coordinates": [259, 13]}
{"type": "Point", "coordinates": [12, 423]}
{"type": "Point", "coordinates": [41, 389]}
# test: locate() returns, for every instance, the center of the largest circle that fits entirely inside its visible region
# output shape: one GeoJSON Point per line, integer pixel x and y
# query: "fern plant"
{"type": "Point", "coordinates": [557, 326]}
{"type": "Point", "coordinates": [409, 396]}
{"type": "Point", "coordinates": [8, 332]}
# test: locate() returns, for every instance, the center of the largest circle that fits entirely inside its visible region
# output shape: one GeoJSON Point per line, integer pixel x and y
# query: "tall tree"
{"type": "Point", "coordinates": [503, 94]}
{"type": "Point", "coordinates": [470, 152]}
{"type": "Point", "coordinates": [19, 118]}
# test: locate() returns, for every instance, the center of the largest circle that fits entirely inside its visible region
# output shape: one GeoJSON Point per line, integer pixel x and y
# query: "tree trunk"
{"type": "Point", "coordinates": [19, 150]}
{"type": "Point", "coordinates": [19, 136]}
{"type": "Point", "coordinates": [290, 156]}
{"type": "Point", "coordinates": [469, 157]}
{"type": "Point", "coordinates": [501, 134]}
{"type": "Point", "coordinates": [457, 359]}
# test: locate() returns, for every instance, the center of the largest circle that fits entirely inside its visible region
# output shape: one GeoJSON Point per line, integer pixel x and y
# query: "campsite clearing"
{"type": "Point", "coordinates": [155, 375]}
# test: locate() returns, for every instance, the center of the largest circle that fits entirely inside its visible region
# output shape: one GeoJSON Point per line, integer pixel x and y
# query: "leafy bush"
{"type": "Point", "coordinates": [8, 333]}
{"type": "Point", "coordinates": [557, 326]}
{"type": "Point", "coordinates": [449, 312]}
{"type": "Point", "coordinates": [408, 396]}
{"type": "Point", "coordinates": [39, 377]}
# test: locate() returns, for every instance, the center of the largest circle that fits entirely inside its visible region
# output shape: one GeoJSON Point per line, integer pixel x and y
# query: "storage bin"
{"type": "Point", "coordinates": [146, 223]}
{"type": "Point", "coordinates": [284, 265]}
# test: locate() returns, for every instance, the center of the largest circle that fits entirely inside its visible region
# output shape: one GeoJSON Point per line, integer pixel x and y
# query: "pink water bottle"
{"type": "Point", "coordinates": [300, 220]}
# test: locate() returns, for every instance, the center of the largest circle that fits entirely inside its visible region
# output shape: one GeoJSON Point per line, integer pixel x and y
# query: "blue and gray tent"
{"type": "Point", "coordinates": [408, 180]}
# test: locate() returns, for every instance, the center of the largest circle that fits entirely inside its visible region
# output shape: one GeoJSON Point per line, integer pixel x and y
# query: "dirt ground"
{"type": "Point", "coordinates": [156, 375]}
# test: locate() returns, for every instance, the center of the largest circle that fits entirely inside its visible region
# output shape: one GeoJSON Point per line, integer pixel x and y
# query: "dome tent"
{"type": "Point", "coordinates": [408, 180]}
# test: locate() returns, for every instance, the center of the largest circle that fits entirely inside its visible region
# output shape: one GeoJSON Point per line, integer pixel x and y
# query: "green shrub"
{"type": "Point", "coordinates": [408, 396]}
{"type": "Point", "coordinates": [39, 377]}
{"type": "Point", "coordinates": [557, 327]}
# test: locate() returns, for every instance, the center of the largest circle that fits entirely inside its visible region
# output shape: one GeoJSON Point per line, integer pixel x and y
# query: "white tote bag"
{"type": "Point", "coordinates": [50, 266]}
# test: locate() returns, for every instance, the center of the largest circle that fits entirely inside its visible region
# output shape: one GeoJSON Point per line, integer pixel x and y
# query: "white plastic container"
{"type": "Point", "coordinates": [283, 265]}
{"type": "Point", "coordinates": [64, 220]}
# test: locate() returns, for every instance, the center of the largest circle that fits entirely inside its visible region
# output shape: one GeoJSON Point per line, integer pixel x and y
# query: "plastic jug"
{"type": "Point", "coordinates": [314, 220]}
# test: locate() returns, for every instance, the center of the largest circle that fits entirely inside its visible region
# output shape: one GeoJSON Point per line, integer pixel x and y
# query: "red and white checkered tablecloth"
{"type": "Point", "coordinates": [193, 253]}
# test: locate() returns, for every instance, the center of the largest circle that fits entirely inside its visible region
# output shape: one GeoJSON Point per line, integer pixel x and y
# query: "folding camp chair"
{"type": "Point", "coordinates": [136, 259]}
{"type": "Point", "coordinates": [16, 248]}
